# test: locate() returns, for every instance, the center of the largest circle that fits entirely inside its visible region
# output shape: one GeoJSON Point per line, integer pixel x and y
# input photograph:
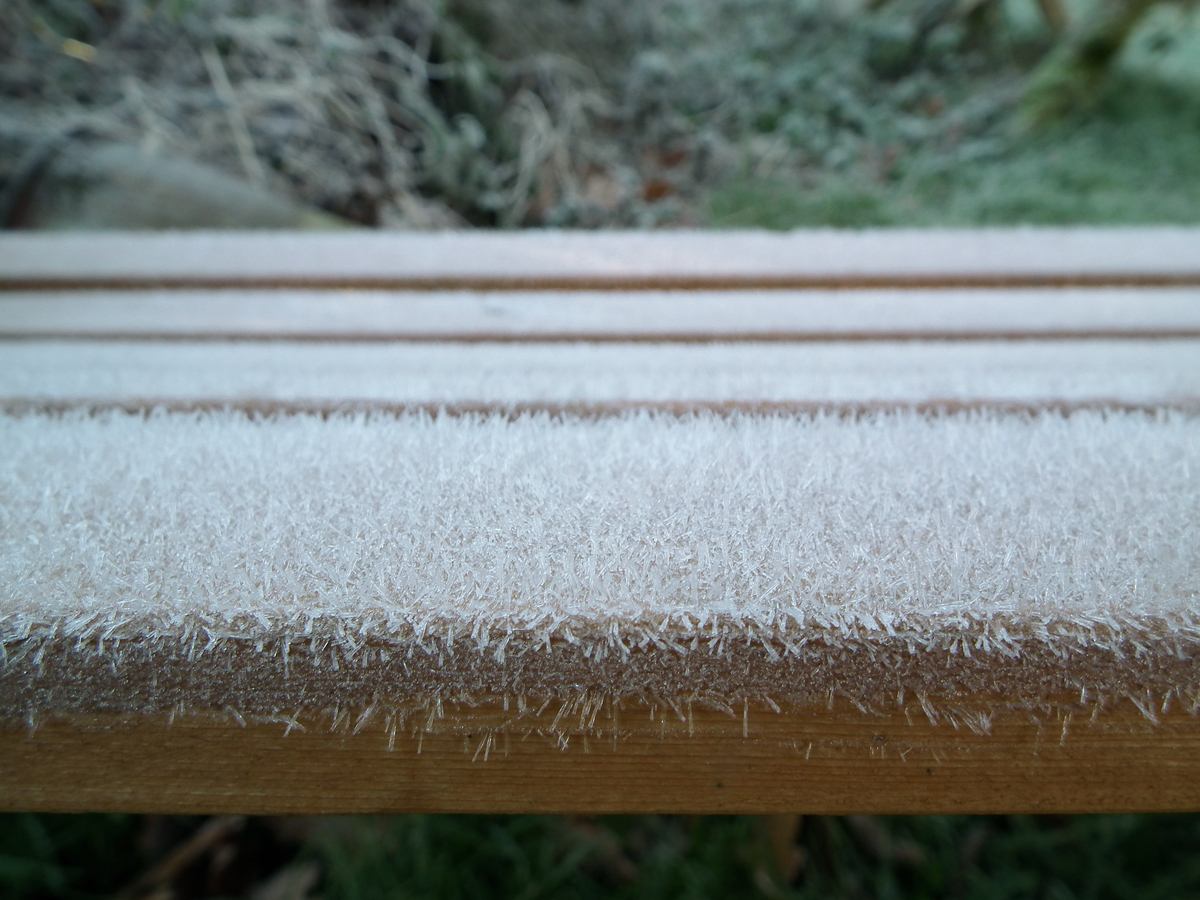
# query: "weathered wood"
{"type": "Point", "coordinates": [613, 261]}
{"type": "Point", "coordinates": [815, 761]}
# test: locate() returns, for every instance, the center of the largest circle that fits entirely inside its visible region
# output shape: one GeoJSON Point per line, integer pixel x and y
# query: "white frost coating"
{"type": "Point", "coordinates": [123, 525]}
{"type": "Point", "coordinates": [1133, 372]}
{"type": "Point", "coordinates": [534, 254]}
{"type": "Point", "coordinates": [604, 315]}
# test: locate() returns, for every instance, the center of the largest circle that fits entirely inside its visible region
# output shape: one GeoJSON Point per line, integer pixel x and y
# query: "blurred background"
{"type": "Point", "coordinates": [429, 114]}
{"type": "Point", "coordinates": [1017, 857]}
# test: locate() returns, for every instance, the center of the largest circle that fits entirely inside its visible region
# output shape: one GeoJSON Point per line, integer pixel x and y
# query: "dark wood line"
{"type": "Point", "coordinates": [609, 283]}
{"type": "Point", "coordinates": [603, 337]}
{"type": "Point", "coordinates": [326, 409]}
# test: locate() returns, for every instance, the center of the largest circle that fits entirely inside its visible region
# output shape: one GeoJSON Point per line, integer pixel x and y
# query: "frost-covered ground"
{"type": "Point", "coordinates": [614, 113]}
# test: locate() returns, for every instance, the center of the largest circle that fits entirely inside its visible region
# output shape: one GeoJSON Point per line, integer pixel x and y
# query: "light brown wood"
{"type": "Point", "coordinates": [609, 260]}
{"type": "Point", "coordinates": [477, 760]}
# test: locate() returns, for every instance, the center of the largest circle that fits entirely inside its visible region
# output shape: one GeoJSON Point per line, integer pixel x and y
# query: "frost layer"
{"type": "Point", "coordinates": [632, 554]}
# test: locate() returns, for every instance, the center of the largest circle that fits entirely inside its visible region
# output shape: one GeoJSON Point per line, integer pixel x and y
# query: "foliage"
{"type": "Point", "coordinates": [65, 856]}
{"type": "Point", "coordinates": [364, 858]}
{"type": "Point", "coordinates": [614, 113]}
{"type": "Point", "coordinates": [593, 113]}
{"type": "Point", "coordinates": [918, 857]}
{"type": "Point", "coordinates": [1135, 160]}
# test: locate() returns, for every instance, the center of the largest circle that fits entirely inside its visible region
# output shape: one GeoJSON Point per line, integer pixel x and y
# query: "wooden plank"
{"type": "Point", "coordinates": [675, 316]}
{"type": "Point", "coordinates": [811, 761]}
{"type": "Point", "coordinates": [614, 260]}
{"type": "Point", "coordinates": [590, 379]}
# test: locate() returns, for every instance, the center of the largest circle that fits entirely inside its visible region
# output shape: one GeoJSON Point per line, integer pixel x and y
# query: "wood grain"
{"type": "Point", "coordinates": [810, 761]}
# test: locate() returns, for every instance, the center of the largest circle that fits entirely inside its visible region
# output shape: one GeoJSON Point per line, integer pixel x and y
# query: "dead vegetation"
{"type": "Point", "coordinates": [366, 110]}
{"type": "Point", "coordinates": [568, 113]}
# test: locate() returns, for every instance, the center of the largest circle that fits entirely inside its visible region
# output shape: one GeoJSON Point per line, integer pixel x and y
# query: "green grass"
{"type": "Point", "coordinates": [993, 858]}
{"type": "Point", "coordinates": [433, 857]}
{"type": "Point", "coordinates": [1134, 159]}
{"type": "Point", "coordinates": [66, 856]}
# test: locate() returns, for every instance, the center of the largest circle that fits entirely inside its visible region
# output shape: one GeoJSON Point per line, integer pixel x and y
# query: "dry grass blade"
{"type": "Point", "coordinates": [210, 834]}
{"type": "Point", "coordinates": [237, 121]}
{"type": "Point", "coordinates": [365, 111]}
{"type": "Point", "coordinates": [504, 112]}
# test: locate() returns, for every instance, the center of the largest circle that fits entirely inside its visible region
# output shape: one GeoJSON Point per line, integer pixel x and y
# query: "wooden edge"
{"type": "Point", "coordinates": [605, 338]}
{"type": "Point", "coordinates": [612, 260]}
{"type": "Point", "coordinates": [634, 317]}
{"type": "Point", "coordinates": [215, 337]}
{"type": "Point", "coordinates": [632, 758]}
{"type": "Point", "coordinates": [666, 282]}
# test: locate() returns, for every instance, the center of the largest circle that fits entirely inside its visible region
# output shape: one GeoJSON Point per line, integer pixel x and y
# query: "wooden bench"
{"type": "Point", "coordinates": [1013, 323]}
